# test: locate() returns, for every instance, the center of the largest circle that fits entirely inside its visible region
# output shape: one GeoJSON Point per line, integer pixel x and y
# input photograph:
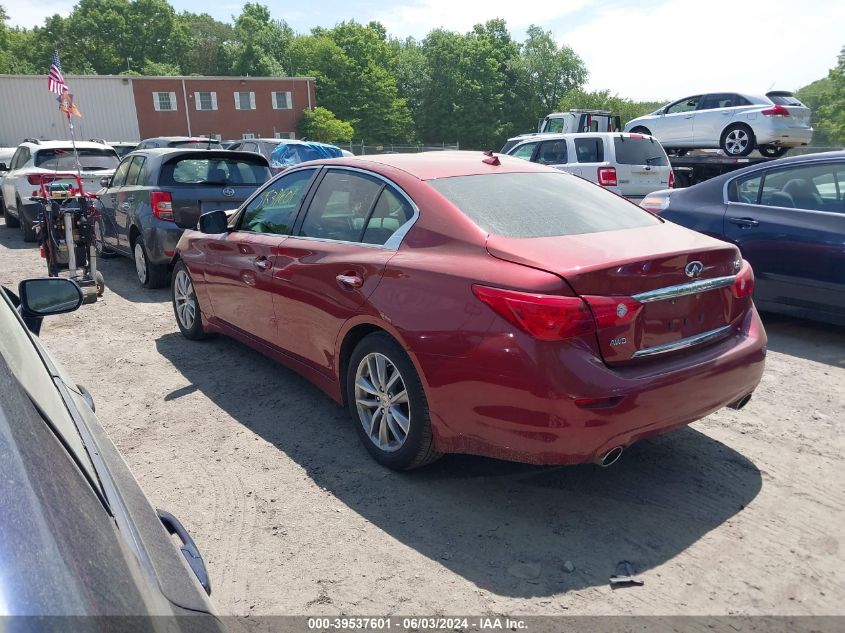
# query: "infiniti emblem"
{"type": "Point", "coordinates": [621, 310]}
{"type": "Point", "coordinates": [228, 192]}
{"type": "Point", "coordinates": [694, 269]}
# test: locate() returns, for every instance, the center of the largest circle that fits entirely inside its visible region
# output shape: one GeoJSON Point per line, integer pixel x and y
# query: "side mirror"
{"type": "Point", "coordinates": [46, 296]}
{"type": "Point", "coordinates": [214, 222]}
{"type": "Point", "coordinates": [4, 167]}
{"type": "Point", "coordinates": [105, 182]}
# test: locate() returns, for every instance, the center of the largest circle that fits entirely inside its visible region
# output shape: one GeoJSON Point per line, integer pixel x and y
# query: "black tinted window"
{"type": "Point", "coordinates": [716, 100]}
{"type": "Point", "coordinates": [639, 151]}
{"type": "Point", "coordinates": [391, 212]}
{"type": "Point", "coordinates": [341, 206]}
{"type": "Point", "coordinates": [273, 210]}
{"type": "Point", "coordinates": [214, 170]}
{"type": "Point", "coordinates": [63, 159]}
{"type": "Point", "coordinates": [540, 204]}
{"type": "Point", "coordinates": [552, 153]}
{"type": "Point", "coordinates": [589, 150]}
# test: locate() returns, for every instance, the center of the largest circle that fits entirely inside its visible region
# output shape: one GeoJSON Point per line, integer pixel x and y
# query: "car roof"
{"type": "Point", "coordinates": [65, 144]}
{"type": "Point", "coordinates": [204, 139]}
{"type": "Point", "coordinates": [555, 136]}
{"type": "Point", "coordinates": [164, 153]}
{"type": "Point", "coordinates": [440, 164]}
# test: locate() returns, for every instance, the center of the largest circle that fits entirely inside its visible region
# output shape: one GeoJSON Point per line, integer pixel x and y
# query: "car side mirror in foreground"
{"type": "Point", "coordinates": [49, 295]}
{"type": "Point", "coordinates": [214, 222]}
{"type": "Point", "coordinates": [4, 167]}
{"type": "Point", "coordinates": [105, 182]}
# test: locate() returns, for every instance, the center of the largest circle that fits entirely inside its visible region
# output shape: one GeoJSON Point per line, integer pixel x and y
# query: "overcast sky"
{"type": "Point", "coordinates": [658, 50]}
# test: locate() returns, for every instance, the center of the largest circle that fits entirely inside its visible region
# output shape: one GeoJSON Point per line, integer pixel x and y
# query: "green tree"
{"type": "Point", "coordinates": [320, 124]}
{"type": "Point", "coordinates": [260, 43]}
{"type": "Point", "coordinates": [826, 98]}
{"type": "Point", "coordinates": [205, 39]}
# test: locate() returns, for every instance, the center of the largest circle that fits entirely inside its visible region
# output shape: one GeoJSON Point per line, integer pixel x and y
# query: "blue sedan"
{"type": "Point", "coordinates": [787, 217]}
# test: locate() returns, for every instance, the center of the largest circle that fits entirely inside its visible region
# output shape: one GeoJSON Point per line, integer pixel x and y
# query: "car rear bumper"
{"type": "Point", "coordinates": [779, 133]}
{"type": "Point", "coordinates": [529, 413]}
{"type": "Point", "coordinates": [161, 238]}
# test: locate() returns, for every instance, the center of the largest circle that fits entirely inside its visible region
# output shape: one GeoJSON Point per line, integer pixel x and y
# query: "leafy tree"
{"type": "Point", "coordinates": [205, 37]}
{"type": "Point", "coordinates": [320, 124]}
{"type": "Point", "coordinates": [826, 98]}
{"type": "Point", "coordinates": [261, 43]}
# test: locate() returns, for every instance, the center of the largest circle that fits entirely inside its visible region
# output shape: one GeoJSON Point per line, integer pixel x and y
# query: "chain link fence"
{"type": "Point", "coordinates": [362, 148]}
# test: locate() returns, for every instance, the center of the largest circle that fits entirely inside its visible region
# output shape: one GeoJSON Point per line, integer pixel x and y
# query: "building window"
{"type": "Point", "coordinates": [248, 135]}
{"type": "Point", "coordinates": [205, 100]}
{"type": "Point", "coordinates": [244, 101]}
{"type": "Point", "coordinates": [282, 100]}
{"type": "Point", "coordinates": [164, 101]}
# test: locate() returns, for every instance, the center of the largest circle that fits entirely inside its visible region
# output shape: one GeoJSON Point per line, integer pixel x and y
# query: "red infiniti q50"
{"type": "Point", "coordinates": [466, 303]}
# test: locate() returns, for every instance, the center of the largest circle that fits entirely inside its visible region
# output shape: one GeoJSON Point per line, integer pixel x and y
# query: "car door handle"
{"type": "Point", "coordinates": [262, 262]}
{"type": "Point", "coordinates": [688, 117]}
{"type": "Point", "coordinates": [125, 206]}
{"type": "Point", "coordinates": [189, 548]}
{"type": "Point", "coordinates": [351, 280]}
{"type": "Point", "coordinates": [744, 223]}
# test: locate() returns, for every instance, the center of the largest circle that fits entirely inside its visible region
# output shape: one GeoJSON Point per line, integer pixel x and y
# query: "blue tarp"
{"type": "Point", "coordinates": [287, 154]}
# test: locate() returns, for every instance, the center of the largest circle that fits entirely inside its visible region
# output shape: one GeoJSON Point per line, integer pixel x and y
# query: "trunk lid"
{"type": "Point", "coordinates": [641, 164]}
{"type": "Point", "coordinates": [190, 202]}
{"type": "Point", "coordinates": [799, 114]}
{"type": "Point", "coordinates": [609, 268]}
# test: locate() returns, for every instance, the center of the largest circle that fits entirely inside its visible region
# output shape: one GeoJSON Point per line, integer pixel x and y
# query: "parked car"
{"type": "Point", "coordinates": [156, 193]}
{"type": "Point", "coordinates": [283, 153]}
{"type": "Point", "coordinates": [38, 157]}
{"type": "Point", "coordinates": [733, 122]}
{"type": "Point", "coordinates": [122, 147]}
{"type": "Point", "coordinates": [185, 142]}
{"type": "Point", "coordinates": [628, 164]}
{"type": "Point", "coordinates": [6, 154]}
{"type": "Point", "coordinates": [788, 219]}
{"type": "Point", "coordinates": [79, 536]}
{"type": "Point", "coordinates": [574, 121]}
{"type": "Point", "coordinates": [462, 302]}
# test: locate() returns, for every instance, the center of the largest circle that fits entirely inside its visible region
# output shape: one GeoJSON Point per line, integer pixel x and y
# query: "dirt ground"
{"type": "Point", "coordinates": [741, 513]}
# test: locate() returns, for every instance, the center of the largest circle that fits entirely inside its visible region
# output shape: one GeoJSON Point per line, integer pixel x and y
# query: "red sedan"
{"type": "Point", "coordinates": [467, 303]}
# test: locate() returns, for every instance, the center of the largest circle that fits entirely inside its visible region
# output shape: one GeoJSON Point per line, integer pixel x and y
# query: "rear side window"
{"type": "Point", "coordinates": [215, 170]}
{"type": "Point", "coordinates": [589, 150]}
{"type": "Point", "coordinates": [391, 212]}
{"type": "Point", "coordinates": [552, 153]}
{"type": "Point", "coordinates": [639, 151]}
{"type": "Point", "coordinates": [341, 206]}
{"type": "Point", "coordinates": [63, 159]}
{"type": "Point", "coordinates": [135, 169]}
{"type": "Point", "coordinates": [540, 204]}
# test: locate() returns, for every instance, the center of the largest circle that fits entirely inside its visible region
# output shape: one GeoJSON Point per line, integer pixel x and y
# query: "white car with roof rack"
{"type": "Point", "coordinates": [631, 165]}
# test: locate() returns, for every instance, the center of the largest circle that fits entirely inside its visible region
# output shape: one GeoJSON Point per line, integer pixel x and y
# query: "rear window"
{"type": "Point", "coordinates": [639, 151]}
{"type": "Point", "coordinates": [214, 171]}
{"type": "Point", "coordinates": [540, 204]}
{"type": "Point", "coordinates": [63, 159]}
{"type": "Point", "coordinates": [784, 99]}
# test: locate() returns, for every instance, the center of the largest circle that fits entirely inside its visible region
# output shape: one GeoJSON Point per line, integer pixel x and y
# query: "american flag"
{"type": "Point", "coordinates": [55, 80]}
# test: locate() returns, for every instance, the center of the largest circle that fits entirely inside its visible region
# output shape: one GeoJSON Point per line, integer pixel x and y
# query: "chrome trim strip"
{"type": "Point", "coordinates": [681, 290]}
{"type": "Point", "coordinates": [683, 343]}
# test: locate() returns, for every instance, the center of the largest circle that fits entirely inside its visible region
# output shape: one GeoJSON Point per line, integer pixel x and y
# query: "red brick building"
{"type": "Point", "coordinates": [227, 107]}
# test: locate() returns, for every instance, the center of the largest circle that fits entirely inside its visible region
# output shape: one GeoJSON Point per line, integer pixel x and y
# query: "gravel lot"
{"type": "Point", "coordinates": [740, 513]}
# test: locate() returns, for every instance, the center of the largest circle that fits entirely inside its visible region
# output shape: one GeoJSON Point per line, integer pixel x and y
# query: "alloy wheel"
{"type": "Point", "coordinates": [382, 402]}
{"type": "Point", "coordinates": [140, 262]}
{"type": "Point", "coordinates": [184, 299]}
{"type": "Point", "coordinates": [736, 141]}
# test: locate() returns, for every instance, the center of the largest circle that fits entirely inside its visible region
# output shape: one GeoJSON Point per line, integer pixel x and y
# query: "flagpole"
{"type": "Point", "coordinates": [73, 142]}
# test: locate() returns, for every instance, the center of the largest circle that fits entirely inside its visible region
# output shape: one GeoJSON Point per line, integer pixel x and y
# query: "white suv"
{"type": "Point", "coordinates": [628, 164]}
{"type": "Point", "coordinates": [40, 157]}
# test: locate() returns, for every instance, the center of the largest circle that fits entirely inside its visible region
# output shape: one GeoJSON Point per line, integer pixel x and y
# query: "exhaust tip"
{"type": "Point", "coordinates": [610, 457]}
{"type": "Point", "coordinates": [740, 403]}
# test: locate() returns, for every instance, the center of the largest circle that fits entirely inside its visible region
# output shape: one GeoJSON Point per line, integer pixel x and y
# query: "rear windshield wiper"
{"type": "Point", "coordinates": [648, 160]}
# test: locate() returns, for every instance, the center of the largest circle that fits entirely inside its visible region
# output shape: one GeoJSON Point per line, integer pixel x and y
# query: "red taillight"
{"type": "Point", "coordinates": [607, 176]}
{"type": "Point", "coordinates": [671, 179]}
{"type": "Point", "coordinates": [778, 110]}
{"type": "Point", "coordinates": [613, 311]}
{"type": "Point", "coordinates": [744, 284]}
{"type": "Point", "coordinates": [546, 317]}
{"type": "Point", "coordinates": [162, 205]}
{"type": "Point", "coordinates": [34, 179]}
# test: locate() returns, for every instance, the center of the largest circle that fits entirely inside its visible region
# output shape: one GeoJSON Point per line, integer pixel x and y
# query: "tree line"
{"type": "Point", "coordinates": [476, 88]}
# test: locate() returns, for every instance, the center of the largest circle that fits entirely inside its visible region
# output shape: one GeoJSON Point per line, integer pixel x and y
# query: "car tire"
{"type": "Point", "coordinates": [103, 251]}
{"type": "Point", "coordinates": [150, 275]}
{"type": "Point", "coordinates": [372, 372]}
{"type": "Point", "coordinates": [737, 140]}
{"type": "Point", "coordinates": [186, 308]}
{"type": "Point", "coordinates": [27, 230]}
{"type": "Point", "coordinates": [772, 151]}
